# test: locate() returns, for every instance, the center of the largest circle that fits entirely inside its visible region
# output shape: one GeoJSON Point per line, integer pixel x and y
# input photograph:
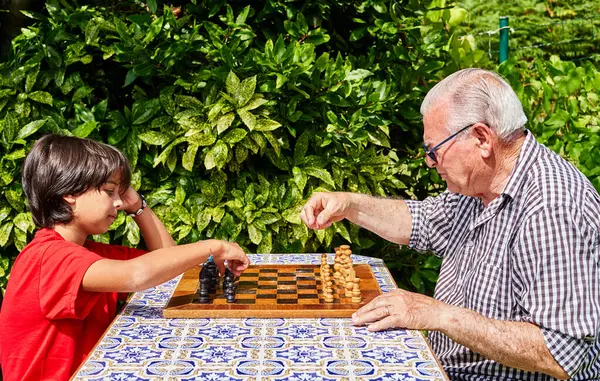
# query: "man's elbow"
{"type": "Point", "coordinates": [556, 371]}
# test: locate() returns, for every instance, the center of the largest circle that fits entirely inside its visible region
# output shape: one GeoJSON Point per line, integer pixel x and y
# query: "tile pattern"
{"type": "Point", "coordinates": [142, 345]}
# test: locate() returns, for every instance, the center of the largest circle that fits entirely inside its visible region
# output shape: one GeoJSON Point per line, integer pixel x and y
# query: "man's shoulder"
{"type": "Point", "coordinates": [552, 181]}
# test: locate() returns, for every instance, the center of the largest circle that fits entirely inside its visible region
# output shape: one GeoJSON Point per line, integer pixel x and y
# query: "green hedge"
{"type": "Point", "coordinates": [232, 114]}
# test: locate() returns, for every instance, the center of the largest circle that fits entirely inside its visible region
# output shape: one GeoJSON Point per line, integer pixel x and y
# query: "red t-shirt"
{"type": "Point", "coordinates": [48, 323]}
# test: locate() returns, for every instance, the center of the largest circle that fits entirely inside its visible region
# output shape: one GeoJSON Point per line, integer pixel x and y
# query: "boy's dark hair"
{"type": "Point", "coordinates": [59, 166]}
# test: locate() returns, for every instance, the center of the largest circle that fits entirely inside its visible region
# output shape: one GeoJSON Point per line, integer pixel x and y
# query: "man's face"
{"type": "Point", "coordinates": [455, 158]}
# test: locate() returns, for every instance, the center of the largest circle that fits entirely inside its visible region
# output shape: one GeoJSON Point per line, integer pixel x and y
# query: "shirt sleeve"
{"type": "Point", "coordinates": [556, 282]}
{"type": "Point", "coordinates": [114, 251]}
{"type": "Point", "coordinates": [432, 222]}
{"type": "Point", "coordinates": [62, 268]}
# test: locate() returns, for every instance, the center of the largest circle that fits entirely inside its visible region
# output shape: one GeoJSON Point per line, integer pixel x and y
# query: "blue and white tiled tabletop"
{"type": "Point", "coordinates": [142, 345]}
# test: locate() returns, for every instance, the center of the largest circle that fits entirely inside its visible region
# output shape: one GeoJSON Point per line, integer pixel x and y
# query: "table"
{"type": "Point", "coordinates": [142, 345]}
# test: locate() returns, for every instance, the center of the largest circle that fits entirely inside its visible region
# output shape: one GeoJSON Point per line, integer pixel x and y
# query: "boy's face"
{"type": "Point", "coordinates": [95, 209]}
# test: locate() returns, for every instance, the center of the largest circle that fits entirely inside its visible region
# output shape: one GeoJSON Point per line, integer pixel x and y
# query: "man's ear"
{"type": "Point", "coordinates": [485, 139]}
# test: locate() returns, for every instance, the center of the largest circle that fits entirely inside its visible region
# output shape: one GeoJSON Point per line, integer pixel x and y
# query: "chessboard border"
{"type": "Point", "coordinates": [180, 304]}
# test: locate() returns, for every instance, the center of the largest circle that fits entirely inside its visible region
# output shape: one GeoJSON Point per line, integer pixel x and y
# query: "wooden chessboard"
{"type": "Point", "coordinates": [271, 291]}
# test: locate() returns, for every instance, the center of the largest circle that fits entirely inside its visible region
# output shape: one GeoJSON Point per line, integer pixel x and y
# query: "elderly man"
{"type": "Point", "coordinates": [518, 295]}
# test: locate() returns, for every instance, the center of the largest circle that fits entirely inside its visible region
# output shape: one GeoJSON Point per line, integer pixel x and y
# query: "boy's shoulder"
{"type": "Point", "coordinates": [47, 242]}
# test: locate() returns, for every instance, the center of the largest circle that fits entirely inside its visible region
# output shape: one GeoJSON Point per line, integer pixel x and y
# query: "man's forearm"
{"type": "Point", "coordinates": [516, 344]}
{"type": "Point", "coordinates": [386, 217]}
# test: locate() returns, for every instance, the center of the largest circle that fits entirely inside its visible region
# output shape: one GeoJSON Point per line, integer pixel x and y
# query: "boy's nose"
{"type": "Point", "coordinates": [118, 203]}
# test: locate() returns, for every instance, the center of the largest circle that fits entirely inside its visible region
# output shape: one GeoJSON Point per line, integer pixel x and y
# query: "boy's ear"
{"type": "Point", "coordinates": [69, 199]}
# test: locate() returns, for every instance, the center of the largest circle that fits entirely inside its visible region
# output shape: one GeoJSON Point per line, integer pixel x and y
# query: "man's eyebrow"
{"type": "Point", "coordinates": [112, 182]}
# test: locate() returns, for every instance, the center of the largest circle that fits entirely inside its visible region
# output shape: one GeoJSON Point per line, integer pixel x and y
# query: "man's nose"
{"type": "Point", "coordinates": [430, 162]}
{"type": "Point", "coordinates": [118, 203]}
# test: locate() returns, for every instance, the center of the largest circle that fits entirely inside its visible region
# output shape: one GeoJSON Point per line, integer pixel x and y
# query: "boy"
{"type": "Point", "coordinates": [62, 292]}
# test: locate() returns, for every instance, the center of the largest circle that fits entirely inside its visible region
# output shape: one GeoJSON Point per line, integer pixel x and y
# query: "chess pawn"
{"type": "Point", "coordinates": [356, 297]}
{"type": "Point", "coordinates": [349, 287]}
{"type": "Point", "coordinates": [328, 282]}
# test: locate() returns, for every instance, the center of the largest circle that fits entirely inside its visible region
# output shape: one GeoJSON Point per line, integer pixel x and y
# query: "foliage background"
{"type": "Point", "coordinates": [233, 114]}
{"type": "Point", "coordinates": [568, 29]}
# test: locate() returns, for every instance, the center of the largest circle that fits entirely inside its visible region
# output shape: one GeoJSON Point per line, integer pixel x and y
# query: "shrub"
{"type": "Point", "coordinates": [232, 114]}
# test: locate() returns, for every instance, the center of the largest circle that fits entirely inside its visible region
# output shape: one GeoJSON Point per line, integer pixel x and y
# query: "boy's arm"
{"type": "Point", "coordinates": [156, 236]}
{"type": "Point", "coordinates": [158, 266]}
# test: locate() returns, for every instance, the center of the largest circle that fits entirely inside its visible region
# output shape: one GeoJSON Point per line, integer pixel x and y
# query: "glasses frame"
{"type": "Point", "coordinates": [431, 152]}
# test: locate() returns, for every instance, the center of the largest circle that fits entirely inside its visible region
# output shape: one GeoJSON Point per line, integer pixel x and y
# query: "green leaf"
{"type": "Point", "coordinates": [255, 103]}
{"type": "Point", "coordinates": [416, 281]}
{"type": "Point", "coordinates": [300, 178]}
{"type": "Point", "coordinates": [241, 153]}
{"type": "Point", "coordinates": [91, 33]}
{"type": "Point", "coordinates": [5, 233]}
{"type": "Point", "coordinates": [31, 79]}
{"type": "Point", "coordinates": [143, 111]}
{"type": "Point", "coordinates": [292, 215]}
{"type": "Point", "coordinates": [30, 128]}
{"type": "Point", "coordinates": [248, 118]}
{"type": "Point", "coordinates": [133, 232]}
{"type": "Point", "coordinates": [266, 244]}
{"type": "Point", "coordinates": [341, 229]}
{"type": "Point", "coordinates": [301, 148]}
{"type": "Point", "coordinates": [357, 34]}
{"type": "Point", "coordinates": [255, 235]}
{"type": "Point", "coordinates": [189, 156]}
{"type": "Point", "coordinates": [232, 84]}
{"type": "Point", "coordinates": [203, 219]}
{"type": "Point", "coordinates": [235, 135]}
{"type": "Point", "coordinates": [82, 93]}
{"type": "Point", "coordinates": [24, 222]}
{"type": "Point", "coordinates": [99, 110]}
{"type": "Point", "coordinates": [266, 125]}
{"type": "Point", "coordinates": [216, 156]}
{"type": "Point", "coordinates": [457, 15]}
{"type": "Point", "coordinates": [15, 155]}
{"type": "Point", "coordinates": [316, 37]}
{"type": "Point", "coordinates": [41, 97]}
{"type": "Point", "coordinates": [155, 138]}
{"type": "Point", "coordinates": [321, 174]}
{"type": "Point", "coordinates": [246, 91]}
{"type": "Point", "coordinates": [203, 139]}
{"type": "Point", "coordinates": [129, 78]}
{"type": "Point", "coordinates": [357, 75]}
{"type": "Point", "coordinates": [85, 129]}
{"type": "Point", "coordinates": [152, 6]}
{"type": "Point", "coordinates": [6, 92]}
{"type": "Point", "coordinates": [224, 122]}
{"type": "Point", "coordinates": [190, 102]}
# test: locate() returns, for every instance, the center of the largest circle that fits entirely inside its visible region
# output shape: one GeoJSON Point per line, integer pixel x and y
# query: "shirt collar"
{"type": "Point", "coordinates": [528, 155]}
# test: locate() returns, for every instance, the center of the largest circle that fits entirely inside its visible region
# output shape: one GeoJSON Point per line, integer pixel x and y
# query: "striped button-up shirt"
{"type": "Point", "coordinates": [531, 255]}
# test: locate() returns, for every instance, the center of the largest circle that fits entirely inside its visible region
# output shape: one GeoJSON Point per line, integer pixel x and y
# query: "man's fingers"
{"type": "Point", "coordinates": [306, 215]}
{"type": "Point", "coordinates": [386, 323]}
{"type": "Point", "coordinates": [372, 315]}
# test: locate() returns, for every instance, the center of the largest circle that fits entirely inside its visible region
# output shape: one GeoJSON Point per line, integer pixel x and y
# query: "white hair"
{"type": "Point", "coordinates": [477, 95]}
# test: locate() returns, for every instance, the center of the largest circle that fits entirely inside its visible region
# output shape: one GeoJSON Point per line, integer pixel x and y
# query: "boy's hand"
{"type": "Point", "coordinates": [237, 261]}
{"type": "Point", "coordinates": [131, 200]}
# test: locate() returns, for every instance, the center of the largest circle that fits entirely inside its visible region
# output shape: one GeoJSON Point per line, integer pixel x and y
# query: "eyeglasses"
{"type": "Point", "coordinates": [431, 152]}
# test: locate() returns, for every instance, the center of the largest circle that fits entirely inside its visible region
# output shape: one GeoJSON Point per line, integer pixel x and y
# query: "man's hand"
{"type": "Point", "coordinates": [400, 309]}
{"type": "Point", "coordinates": [323, 209]}
{"type": "Point", "coordinates": [516, 344]}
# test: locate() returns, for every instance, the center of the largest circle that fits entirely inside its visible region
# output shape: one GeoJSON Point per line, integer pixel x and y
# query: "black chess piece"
{"type": "Point", "coordinates": [204, 290]}
{"type": "Point", "coordinates": [229, 286]}
{"type": "Point", "coordinates": [213, 275]}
